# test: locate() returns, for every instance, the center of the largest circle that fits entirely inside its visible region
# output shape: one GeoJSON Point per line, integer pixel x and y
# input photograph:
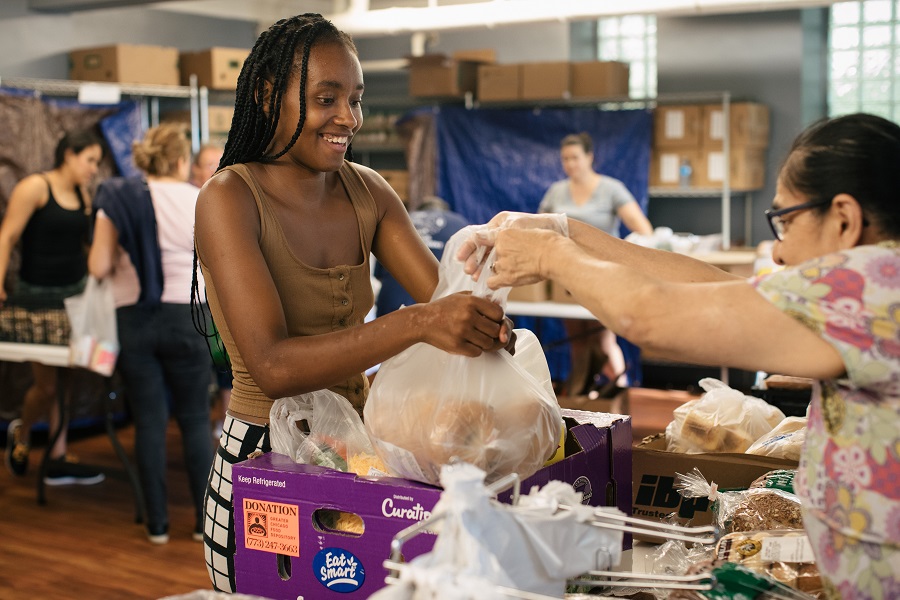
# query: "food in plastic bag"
{"type": "Point", "coordinates": [723, 420]}
{"type": "Point", "coordinates": [322, 428]}
{"type": "Point", "coordinates": [785, 441]}
{"type": "Point", "coordinates": [94, 341]}
{"type": "Point", "coordinates": [784, 555]}
{"type": "Point", "coordinates": [496, 411]}
{"type": "Point", "coordinates": [754, 509]}
{"type": "Point", "coordinates": [735, 581]}
{"type": "Point", "coordinates": [779, 479]}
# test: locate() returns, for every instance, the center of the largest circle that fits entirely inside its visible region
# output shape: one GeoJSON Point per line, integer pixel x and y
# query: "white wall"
{"type": "Point", "coordinates": [35, 44]}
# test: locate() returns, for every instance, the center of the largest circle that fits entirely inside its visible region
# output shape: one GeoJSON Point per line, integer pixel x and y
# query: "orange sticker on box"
{"type": "Point", "coordinates": [271, 527]}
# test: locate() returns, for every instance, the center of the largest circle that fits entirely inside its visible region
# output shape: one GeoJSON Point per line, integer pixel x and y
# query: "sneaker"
{"type": "Point", "coordinates": [16, 451]}
{"type": "Point", "coordinates": [158, 534]}
{"type": "Point", "coordinates": [66, 472]}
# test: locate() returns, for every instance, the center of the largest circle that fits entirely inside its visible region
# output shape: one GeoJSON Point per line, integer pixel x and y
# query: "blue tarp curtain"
{"type": "Point", "coordinates": [491, 160]}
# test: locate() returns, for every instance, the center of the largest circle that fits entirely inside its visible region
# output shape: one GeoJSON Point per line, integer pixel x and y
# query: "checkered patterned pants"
{"type": "Point", "coordinates": [239, 439]}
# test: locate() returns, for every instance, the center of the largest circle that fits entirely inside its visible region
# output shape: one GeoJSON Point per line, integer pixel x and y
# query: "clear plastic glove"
{"type": "Point", "coordinates": [475, 250]}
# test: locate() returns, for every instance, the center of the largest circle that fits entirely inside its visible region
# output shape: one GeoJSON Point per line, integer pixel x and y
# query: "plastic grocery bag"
{"type": "Point", "coordinates": [94, 342]}
{"type": "Point", "coordinates": [722, 420]}
{"type": "Point", "coordinates": [322, 428]}
{"type": "Point", "coordinates": [482, 544]}
{"type": "Point", "coordinates": [785, 441]}
{"type": "Point", "coordinates": [496, 411]}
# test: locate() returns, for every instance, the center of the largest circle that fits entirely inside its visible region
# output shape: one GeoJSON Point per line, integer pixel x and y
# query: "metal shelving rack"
{"type": "Point", "coordinates": [149, 94]}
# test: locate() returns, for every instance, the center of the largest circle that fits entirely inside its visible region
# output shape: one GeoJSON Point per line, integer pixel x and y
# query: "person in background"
{"type": "Point", "coordinates": [435, 223]}
{"type": "Point", "coordinates": [50, 213]}
{"type": "Point", "coordinates": [831, 315]}
{"type": "Point", "coordinates": [284, 233]}
{"type": "Point", "coordinates": [205, 163]}
{"type": "Point", "coordinates": [143, 240]}
{"type": "Point", "coordinates": [602, 202]}
{"type": "Point", "coordinates": [204, 166]}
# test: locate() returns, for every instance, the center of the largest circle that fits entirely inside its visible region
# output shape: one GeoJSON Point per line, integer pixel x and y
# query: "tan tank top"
{"type": "Point", "coordinates": [315, 301]}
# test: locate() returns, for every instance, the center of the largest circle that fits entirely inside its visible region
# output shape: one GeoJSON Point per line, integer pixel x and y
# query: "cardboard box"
{"type": "Point", "coordinates": [478, 55]}
{"type": "Point", "coordinates": [654, 476]}
{"type": "Point", "coordinates": [665, 164]}
{"type": "Point", "coordinates": [748, 169]}
{"type": "Point", "coordinates": [678, 126]}
{"type": "Point", "coordinates": [284, 543]}
{"type": "Point", "coordinates": [651, 409]}
{"type": "Point", "coordinates": [545, 81]}
{"type": "Point", "coordinates": [438, 75]}
{"type": "Point", "coordinates": [397, 179]}
{"type": "Point", "coordinates": [599, 79]}
{"type": "Point", "coordinates": [215, 68]}
{"type": "Point", "coordinates": [536, 292]}
{"type": "Point", "coordinates": [499, 82]}
{"type": "Point", "coordinates": [125, 63]}
{"type": "Point", "coordinates": [219, 118]}
{"type": "Point", "coordinates": [749, 125]}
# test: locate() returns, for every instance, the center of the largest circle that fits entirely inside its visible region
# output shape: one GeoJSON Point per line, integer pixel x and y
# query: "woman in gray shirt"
{"type": "Point", "coordinates": [602, 202]}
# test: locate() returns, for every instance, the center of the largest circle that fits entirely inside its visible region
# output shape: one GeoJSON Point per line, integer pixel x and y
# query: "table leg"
{"type": "Point", "coordinates": [139, 511]}
{"type": "Point", "coordinates": [62, 389]}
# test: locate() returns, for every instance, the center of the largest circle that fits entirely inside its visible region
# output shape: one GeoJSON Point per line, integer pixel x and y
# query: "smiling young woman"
{"type": "Point", "coordinates": [283, 235]}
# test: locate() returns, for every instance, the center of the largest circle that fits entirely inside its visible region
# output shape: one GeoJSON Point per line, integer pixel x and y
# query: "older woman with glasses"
{"type": "Point", "coordinates": [832, 315]}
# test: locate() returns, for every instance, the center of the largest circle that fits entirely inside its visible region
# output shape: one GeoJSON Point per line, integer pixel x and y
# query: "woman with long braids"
{"type": "Point", "coordinates": [283, 236]}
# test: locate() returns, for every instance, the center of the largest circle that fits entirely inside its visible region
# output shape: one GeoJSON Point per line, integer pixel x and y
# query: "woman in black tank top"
{"type": "Point", "coordinates": [48, 213]}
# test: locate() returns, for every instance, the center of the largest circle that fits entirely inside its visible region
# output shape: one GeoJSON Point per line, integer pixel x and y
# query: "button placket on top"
{"type": "Point", "coordinates": [342, 291]}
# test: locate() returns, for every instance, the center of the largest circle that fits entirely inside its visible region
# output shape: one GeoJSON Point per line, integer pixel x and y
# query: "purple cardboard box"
{"type": "Point", "coordinates": [286, 549]}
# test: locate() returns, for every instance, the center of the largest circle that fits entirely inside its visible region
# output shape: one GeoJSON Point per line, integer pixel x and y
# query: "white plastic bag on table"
{"type": "Point", "coordinates": [722, 420]}
{"type": "Point", "coordinates": [496, 411]}
{"type": "Point", "coordinates": [94, 342]}
{"type": "Point", "coordinates": [322, 428]}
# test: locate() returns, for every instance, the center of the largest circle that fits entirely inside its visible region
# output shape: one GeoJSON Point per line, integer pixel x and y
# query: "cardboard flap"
{"type": "Point", "coordinates": [657, 445]}
{"type": "Point", "coordinates": [429, 60]}
{"type": "Point", "coordinates": [595, 435]}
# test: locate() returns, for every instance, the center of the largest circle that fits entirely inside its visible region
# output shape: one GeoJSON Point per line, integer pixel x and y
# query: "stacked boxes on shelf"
{"type": "Point", "coordinates": [215, 68]}
{"type": "Point", "coordinates": [125, 63]}
{"type": "Point", "coordinates": [688, 146]}
{"type": "Point", "coordinates": [476, 72]}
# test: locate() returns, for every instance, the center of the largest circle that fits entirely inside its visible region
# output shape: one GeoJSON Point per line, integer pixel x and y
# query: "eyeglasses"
{"type": "Point", "coordinates": [776, 223]}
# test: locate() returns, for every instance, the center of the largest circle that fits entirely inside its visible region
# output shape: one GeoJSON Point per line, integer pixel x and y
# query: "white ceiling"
{"type": "Point", "coordinates": [363, 18]}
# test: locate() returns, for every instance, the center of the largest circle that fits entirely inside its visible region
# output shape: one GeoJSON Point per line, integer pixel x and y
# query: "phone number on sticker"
{"type": "Point", "coordinates": [267, 545]}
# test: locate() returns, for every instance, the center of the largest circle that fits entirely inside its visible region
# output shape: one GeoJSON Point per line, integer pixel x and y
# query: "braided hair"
{"type": "Point", "coordinates": [277, 55]}
{"type": "Point", "coordinates": [272, 62]}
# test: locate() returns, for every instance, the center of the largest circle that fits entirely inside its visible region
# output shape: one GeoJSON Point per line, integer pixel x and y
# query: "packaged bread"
{"type": "Point", "coordinates": [428, 408]}
{"type": "Point", "coordinates": [722, 420]}
{"type": "Point", "coordinates": [736, 580]}
{"type": "Point", "coordinates": [761, 509]}
{"type": "Point", "coordinates": [785, 441]}
{"type": "Point", "coordinates": [784, 555]}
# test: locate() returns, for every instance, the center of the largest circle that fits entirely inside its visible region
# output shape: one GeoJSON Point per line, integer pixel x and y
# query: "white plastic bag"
{"type": "Point", "coordinates": [496, 411]}
{"type": "Point", "coordinates": [94, 342]}
{"type": "Point", "coordinates": [533, 546]}
{"type": "Point", "coordinates": [722, 420]}
{"type": "Point", "coordinates": [322, 428]}
{"type": "Point", "coordinates": [785, 441]}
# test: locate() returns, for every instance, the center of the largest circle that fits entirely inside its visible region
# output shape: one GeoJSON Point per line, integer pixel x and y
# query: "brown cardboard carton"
{"type": "Point", "coordinates": [438, 75]}
{"type": "Point", "coordinates": [665, 164]}
{"type": "Point", "coordinates": [536, 292]}
{"type": "Point", "coordinates": [219, 118]}
{"type": "Point", "coordinates": [478, 55]}
{"type": "Point", "coordinates": [599, 79]}
{"type": "Point", "coordinates": [215, 68]}
{"type": "Point", "coordinates": [655, 469]}
{"type": "Point", "coordinates": [545, 81]}
{"type": "Point", "coordinates": [748, 168]}
{"type": "Point", "coordinates": [499, 82]}
{"type": "Point", "coordinates": [749, 125]}
{"type": "Point", "coordinates": [651, 409]}
{"type": "Point", "coordinates": [677, 126]}
{"type": "Point", "coordinates": [125, 63]}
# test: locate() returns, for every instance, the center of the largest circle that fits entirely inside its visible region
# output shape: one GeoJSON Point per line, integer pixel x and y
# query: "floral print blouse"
{"type": "Point", "coordinates": [849, 473]}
